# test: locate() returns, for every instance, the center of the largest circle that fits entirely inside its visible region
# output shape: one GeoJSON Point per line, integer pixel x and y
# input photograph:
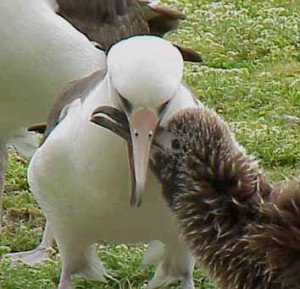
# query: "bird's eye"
{"type": "Point", "coordinates": [176, 144]}
{"type": "Point", "coordinates": [168, 141]}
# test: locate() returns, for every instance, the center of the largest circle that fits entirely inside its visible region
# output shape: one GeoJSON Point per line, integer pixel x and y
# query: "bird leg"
{"type": "Point", "coordinates": [169, 266]}
{"type": "Point", "coordinates": [65, 280]}
{"type": "Point", "coordinates": [188, 282]}
{"type": "Point", "coordinates": [3, 162]}
{"type": "Point", "coordinates": [39, 253]}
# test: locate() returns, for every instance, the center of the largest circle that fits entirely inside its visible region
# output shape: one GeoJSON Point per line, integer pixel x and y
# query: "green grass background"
{"type": "Point", "coordinates": [250, 75]}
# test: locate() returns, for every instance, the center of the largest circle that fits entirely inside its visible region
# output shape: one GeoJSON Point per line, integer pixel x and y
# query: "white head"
{"type": "Point", "coordinates": [146, 72]}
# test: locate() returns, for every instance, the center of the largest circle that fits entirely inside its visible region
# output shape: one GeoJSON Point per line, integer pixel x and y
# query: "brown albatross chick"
{"type": "Point", "coordinates": [243, 231]}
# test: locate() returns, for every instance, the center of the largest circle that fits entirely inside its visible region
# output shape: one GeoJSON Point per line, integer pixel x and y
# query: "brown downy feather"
{"type": "Point", "coordinates": [245, 233]}
{"type": "Point", "coordinates": [277, 235]}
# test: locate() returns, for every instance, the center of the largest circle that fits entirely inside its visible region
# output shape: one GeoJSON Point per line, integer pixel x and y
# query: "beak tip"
{"type": "Point", "coordinates": [135, 202]}
{"type": "Point", "coordinates": [139, 202]}
{"type": "Point", "coordinates": [136, 197]}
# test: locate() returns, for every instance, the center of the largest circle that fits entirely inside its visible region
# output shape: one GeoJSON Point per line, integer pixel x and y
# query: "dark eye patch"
{"type": "Point", "coordinates": [162, 108]}
{"type": "Point", "coordinates": [127, 105]}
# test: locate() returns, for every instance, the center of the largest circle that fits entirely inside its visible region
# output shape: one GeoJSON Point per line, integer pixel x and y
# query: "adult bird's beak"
{"type": "Point", "coordinates": [142, 124]}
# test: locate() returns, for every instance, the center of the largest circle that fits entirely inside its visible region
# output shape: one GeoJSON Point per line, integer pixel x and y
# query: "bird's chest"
{"type": "Point", "coordinates": [91, 190]}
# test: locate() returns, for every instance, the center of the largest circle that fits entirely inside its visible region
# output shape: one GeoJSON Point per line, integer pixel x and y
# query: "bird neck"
{"type": "Point", "coordinates": [217, 169]}
{"type": "Point", "coordinates": [215, 199]}
{"type": "Point", "coordinates": [224, 193]}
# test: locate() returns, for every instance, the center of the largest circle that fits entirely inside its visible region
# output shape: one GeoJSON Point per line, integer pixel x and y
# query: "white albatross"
{"type": "Point", "coordinates": [80, 177]}
{"type": "Point", "coordinates": [41, 52]}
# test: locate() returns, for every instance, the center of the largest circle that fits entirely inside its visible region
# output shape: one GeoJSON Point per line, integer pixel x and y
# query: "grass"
{"type": "Point", "coordinates": [250, 75]}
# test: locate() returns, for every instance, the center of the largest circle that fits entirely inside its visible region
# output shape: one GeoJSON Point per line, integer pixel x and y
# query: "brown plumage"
{"type": "Point", "coordinates": [244, 231]}
{"type": "Point", "coordinates": [107, 21]}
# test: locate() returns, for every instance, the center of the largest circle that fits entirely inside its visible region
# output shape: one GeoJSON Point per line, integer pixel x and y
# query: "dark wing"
{"type": "Point", "coordinates": [76, 89]}
{"type": "Point", "coordinates": [162, 19]}
{"type": "Point", "coordinates": [104, 21]}
{"type": "Point", "coordinates": [107, 21]}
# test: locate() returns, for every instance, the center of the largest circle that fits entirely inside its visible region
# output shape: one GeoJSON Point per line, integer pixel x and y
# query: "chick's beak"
{"type": "Point", "coordinates": [143, 124]}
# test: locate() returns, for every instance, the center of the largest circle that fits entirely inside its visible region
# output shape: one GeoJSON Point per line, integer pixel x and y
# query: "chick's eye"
{"type": "Point", "coordinates": [176, 145]}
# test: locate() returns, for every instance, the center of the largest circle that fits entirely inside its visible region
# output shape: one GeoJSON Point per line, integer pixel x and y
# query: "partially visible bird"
{"type": "Point", "coordinates": [41, 52]}
{"type": "Point", "coordinates": [108, 21]}
{"type": "Point", "coordinates": [243, 230]}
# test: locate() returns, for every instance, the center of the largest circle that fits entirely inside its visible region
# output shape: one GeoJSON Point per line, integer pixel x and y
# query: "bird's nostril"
{"type": "Point", "coordinates": [136, 133]}
{"type": "Point", "coordinates": [150, 134]}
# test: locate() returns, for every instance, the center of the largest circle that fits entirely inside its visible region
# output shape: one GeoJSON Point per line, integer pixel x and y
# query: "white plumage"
{"type": "Point", "coordinates": [80, 176]}
{"type": "Point", "coordinates": [40, 53]}
{"type": "Point", "coordinates": [139, 80]}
